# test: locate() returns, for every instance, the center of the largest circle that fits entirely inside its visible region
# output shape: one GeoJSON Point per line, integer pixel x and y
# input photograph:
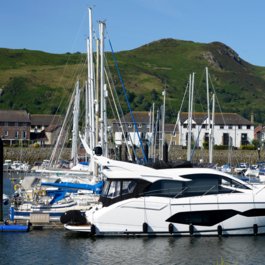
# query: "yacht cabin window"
{"type": "Point", "coordinates": [105, 188]}
{"type": "Point", "coordinates": [128, 186]}
{"type": "Point", "coordinates": [200, 184]}
{"type": "Point", "coordinates": [115, 188]}
{"type": "Point", "coordinates": [165, 188]}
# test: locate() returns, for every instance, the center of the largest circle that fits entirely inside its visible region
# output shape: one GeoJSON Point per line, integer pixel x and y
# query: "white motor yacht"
{"type": "Point", "coordinates": [141, 201]}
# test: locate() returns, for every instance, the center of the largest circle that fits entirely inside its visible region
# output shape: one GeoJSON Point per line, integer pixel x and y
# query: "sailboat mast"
{"type": "Point", "coordinates": [105, 120]}
{"type": "Point", "coordinates": [163, 124]}
{"type": "Point", "coordinates": [74, 155]}
{"type": "Point", "coordinates": [87, 122]}
{"type": "Point", "coordinates": [208, 112]}
{"type": "Point", "coordinates": [212, 132]}
{"type": "Point", "coordinates": [189, 121]}
{"type": "Point", "coordinates": [88, 84]}
{"type": "Point", "coordinates": [102, 83]}
{"type": "Point", "coordinates": [97, 94]}
{"type": "Point", "coordinates": [153, 132]}
{"type": "Point", "coordinates": [91, 79]}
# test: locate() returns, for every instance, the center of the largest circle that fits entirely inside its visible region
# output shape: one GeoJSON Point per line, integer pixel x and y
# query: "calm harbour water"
{"type": "Point", "coordinates": [62, 247]}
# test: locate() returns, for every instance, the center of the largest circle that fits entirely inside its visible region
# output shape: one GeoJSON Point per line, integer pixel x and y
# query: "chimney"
{"type": "Point", "coordinates": [252, 117]}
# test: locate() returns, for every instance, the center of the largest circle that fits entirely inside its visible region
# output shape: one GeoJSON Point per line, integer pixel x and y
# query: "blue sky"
{"type": "Point", "coordinates": [60, 26]}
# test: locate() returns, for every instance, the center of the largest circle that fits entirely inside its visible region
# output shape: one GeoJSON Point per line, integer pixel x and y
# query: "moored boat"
{"type": "Point", "coordinates": [39, 201]}
{"type": "Point", "coordinates": [182, 201]}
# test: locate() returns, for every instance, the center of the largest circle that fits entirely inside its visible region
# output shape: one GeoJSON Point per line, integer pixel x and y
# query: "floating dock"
{"type": "Point", "coordinates": [5, 227]}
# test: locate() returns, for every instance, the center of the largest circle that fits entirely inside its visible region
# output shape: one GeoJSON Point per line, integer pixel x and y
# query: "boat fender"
{"type": "Point", "coordinates": [219, 230]}
{"type": "Point", "coordinates": [145, 227]}
{"type": "Point", "coordinates": [191, 229]}
{"type": "Point", "coordinates": [73, 217]}
{"type": "Point", "coordinates": [93, 230]}
{"type": "Point", "coordinates": [170, 228]}
{"type": "Point", "coordinates": [255, 229]}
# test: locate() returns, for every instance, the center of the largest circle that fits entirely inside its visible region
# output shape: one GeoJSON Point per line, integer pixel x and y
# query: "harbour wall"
{"type": "Point", "coordinates": [220, 157]}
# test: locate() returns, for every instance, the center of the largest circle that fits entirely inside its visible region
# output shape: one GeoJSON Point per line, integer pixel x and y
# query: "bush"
{"type": "Point", "coordinates": [36, 145]}
{"type": "Point", "coordinates": [205, 145]}
{"type": "Point", "coordinates": [256, 143]}
{"type": "Point", "coordinates": [248, 147]}
{"type": "Point", "coordinates": [221, 147]}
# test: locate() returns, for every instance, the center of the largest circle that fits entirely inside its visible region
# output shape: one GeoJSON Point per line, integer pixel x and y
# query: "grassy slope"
{"type": "Point", "coordinates": [40, 82]}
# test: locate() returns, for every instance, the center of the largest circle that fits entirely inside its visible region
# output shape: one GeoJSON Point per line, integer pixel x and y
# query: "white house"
{"type": "Point", "coordinates": [142, 120]}
{"type": "Point", "coordinates": [229, 129]}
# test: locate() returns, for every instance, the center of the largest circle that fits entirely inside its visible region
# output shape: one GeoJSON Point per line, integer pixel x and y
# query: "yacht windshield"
{"type": "Point", "coordinates": [115, 188]}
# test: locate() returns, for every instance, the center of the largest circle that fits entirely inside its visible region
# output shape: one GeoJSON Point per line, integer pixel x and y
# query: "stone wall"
{"type": "Point", "coordinates": [220, 157]}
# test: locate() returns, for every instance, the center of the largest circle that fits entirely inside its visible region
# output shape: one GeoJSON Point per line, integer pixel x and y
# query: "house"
{"type": "Point", "coordinates": [131, 130]}
{"type": "Point", "coordinates": [45, 128]}
{"type": "Point", "coordinates": [171, 134]}
{"type": "Point", "coordinates": [141, 127]}
{"type": "Point", "coordinates": [14, 126]}
{"type": "Point", "coordinates": [229, 129]}
{"type": "Point", "coordinates": [259, 134]}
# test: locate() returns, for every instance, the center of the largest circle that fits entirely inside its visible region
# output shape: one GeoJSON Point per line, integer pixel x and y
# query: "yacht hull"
{"type": "Point", "coordinates": [194, 216]}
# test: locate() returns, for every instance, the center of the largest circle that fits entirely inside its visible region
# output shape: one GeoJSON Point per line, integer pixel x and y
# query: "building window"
{"type": "Point", "coordinates": [203, 126]}
{"type": "Point", "coordinates": [193, 126]}
{"type": "Point", "coordinates": [5, 133]}
{"type": "Point", "coordinates": [239, 126]}
{"type": "Point", "coordinates": [16, 134]}
{"type": "Point", "coordinates": [226, 139]}
{"type": "Point", "coordinates": [185, 125]}
{"type": "Point", "coordinates": [24, 134]}
{"type": "Point", "coordinates": [140, 125]}
{"type": "Point", "coordinates": [11, 124]}
{"type": "Point", "coordinates": [129, 125]}
{"type": "Point", "coordinates": [206, 137]}
{"type": "Point", "coordinates": [248, 127]}
{"type": "Point", "coordinates": [244, 139]}
{"type": "Point", "coordinates": [221, 126]}
{"type": "Point", "coordinates": [230, 127]}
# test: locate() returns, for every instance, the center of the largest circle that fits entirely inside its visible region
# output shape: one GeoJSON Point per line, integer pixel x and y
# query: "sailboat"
{"type": "Point", "coordinates": [43, 199]}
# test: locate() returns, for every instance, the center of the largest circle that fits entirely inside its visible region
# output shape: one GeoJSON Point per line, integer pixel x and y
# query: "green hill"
{"type": "Point", "coordinates": [41, 82]}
